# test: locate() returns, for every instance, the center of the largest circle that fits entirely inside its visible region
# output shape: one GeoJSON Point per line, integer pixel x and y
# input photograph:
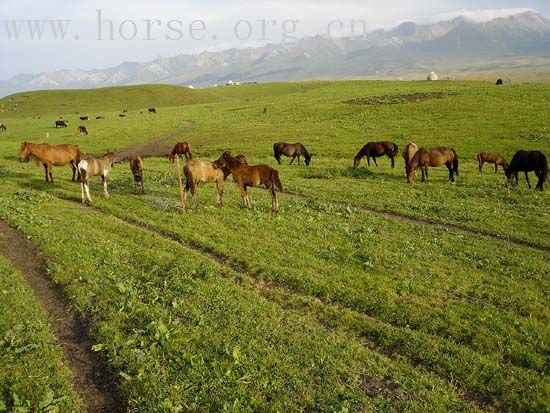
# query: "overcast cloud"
{"type": "Point", "coordinates": [82, 50]}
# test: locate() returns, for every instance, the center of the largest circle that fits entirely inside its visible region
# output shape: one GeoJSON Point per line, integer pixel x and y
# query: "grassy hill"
{"type": "Point", "coordinates": [92, 101]}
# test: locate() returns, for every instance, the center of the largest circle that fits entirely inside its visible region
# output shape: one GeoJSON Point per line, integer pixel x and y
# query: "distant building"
{"type": "Point", "coordinates": [432, 77]}
{"type": "Point", "coordinates": [191, 87]}
{"type": "Point", "coordinates": [229, 83]}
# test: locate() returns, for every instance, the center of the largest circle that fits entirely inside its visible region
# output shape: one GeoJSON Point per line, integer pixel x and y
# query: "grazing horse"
{"type": "Point", "coordinates": [51, 155]}
{"type": "Point", "coordinates": [292, 151]}
{"type": "Point", "coordinates": [3, 127]}
{"type": "Point", "coordinates": [376, 150]}
{"type": "Point", "coordinates": [91, 167]}
{"type": "Point", "coordinates": [84, 118]}
{"type": "Point", "coordinates": [99, 117]}
{"type": "Point", "coordinates": [61, 123]}
{"type": "Point", "coordinates": [136, 166]}
{"type": "Point", "coordinates": [202, 172]}
{"type": "Point", "coordinates": [533, 161]}
{"type": "Point", "coordinates": [82, 130]}
{"type": "Point", "coordinates": [251, 176]}
{"type": "Point", "coordinates": [181, 149]}
{"type": "Point", "coordinates": [493, 158]}
{"type": "Point", "coordinates": [408, 152]}
{"type": "Point", "coordinates": [152, 111]}
{"type": "Point", "coordinates": [426, 157]}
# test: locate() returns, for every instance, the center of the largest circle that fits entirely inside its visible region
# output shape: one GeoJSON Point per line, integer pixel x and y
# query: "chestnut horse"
{"type": "Point", "coordinates": [227, 172]}
{"type": "Point", "coordinates": [533, 161]}
{"type": "Point", "coordinates": [136, 166]}
{"type": "Point", "coordinates": [291, 151]}
{"type": "Point", "coordinates": [426, 157]}
{"type": "Point", "coordinates": [202, 172]}
{"type": "Point", "coordinates": [493, 158]}
{"type": "Point", "coordinates": [181, 149]}
{"type": "Point", "coordinates": [91, 167]}
{"type": "Point", "coordinates": [251, 176]}
{"type": "Point", "coordinates": [376, 150]}
{"type": "Point", "coordinates": [51, 155]}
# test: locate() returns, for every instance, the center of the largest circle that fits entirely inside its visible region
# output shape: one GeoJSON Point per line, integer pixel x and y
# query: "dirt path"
{"type": "Point", "coordinates": [156, 148]}
{"type": "Point", "coordinates": [97, 387]}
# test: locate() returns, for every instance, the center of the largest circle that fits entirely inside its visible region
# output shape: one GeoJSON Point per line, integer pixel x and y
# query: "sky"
{"type": "Point", "coordinates": [145, 30]}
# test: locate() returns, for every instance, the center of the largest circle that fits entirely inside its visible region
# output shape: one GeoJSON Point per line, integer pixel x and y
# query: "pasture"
{"type": "Point", "coordinates": [363, 293]}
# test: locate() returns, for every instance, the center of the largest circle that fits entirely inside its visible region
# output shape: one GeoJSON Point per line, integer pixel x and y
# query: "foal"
{"type": "Point", "coordinates": [95, 167]}
{"type": "Point", "coordinates": [136, 165]}
{"type": "Point", "coordinates": [488, 157]}
{"type": "Point", "coordinates": [251, 176]}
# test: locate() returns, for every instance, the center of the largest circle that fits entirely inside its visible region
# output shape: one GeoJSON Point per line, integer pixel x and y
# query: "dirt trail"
{"type": "Point", "coordinates": [156, 148]}
{"type": "Point", "coordinates": [97, 387]}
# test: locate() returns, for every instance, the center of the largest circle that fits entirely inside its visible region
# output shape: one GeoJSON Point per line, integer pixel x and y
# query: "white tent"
{"type": "Point", "coordinates": [433, 77]}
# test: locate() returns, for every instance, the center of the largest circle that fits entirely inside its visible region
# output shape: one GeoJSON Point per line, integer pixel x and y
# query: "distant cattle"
{"type": "Point", "coordinates": [500, 82]}
{"type": "Point", "coordinates": [99, 117]}
{"type": "Point", "coordinates": [153, 111]}
{"type": "Point", "coordinates": [61, 123]}
{"type": "Point", "coordinates": [84, 118]}
{"type": "Point", "coordinates": [3, 127]}
{"type": "Point", "coordinates": [82, 130]}
{"type": "Point", "coordinates": [122, 115]}
{"type": "Point", "coordinates": [125, 111]}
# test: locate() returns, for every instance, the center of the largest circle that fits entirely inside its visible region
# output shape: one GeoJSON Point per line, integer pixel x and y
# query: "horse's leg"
{"type": "Point", "coordinates": [73, 169]}
{"type": "Point", "coordinates": [298, 160]}
{"type": "Point", "coordinates": [496, 168]}
{"type": "Point", "coordinates": [50, 173]}
{"type": "Point", "coordinates": [105, 178]}
{"type": "Point", "coordinates": [527, 179]}
{"type": "Point", "coordinates": [481, 167]}
{"type": "Point", "coordinates": [292, 160]}
{"type": "Point", "coordinates": [274, 203]}
{"type": "Point", "coordinates": [46, 172]}
{"type": "Point", "coordinates": [392, 162]}
{"type": "Point", "coordinates": [451, 172]}
{"type": "Point", "coordinates": [87, 188]}
{"type": "Point", "coordinates": [375, 161]}
{"type": "Point", "coordinates": [540, 183]}
{"type": "Point", "coordinates": [195, 193]}
{"type": "Point", "coordinates": [368, 160]}
{"type": "Point", "coordinates": [82, 188]}
{"type": "Point", "coordinates": [219, 186]}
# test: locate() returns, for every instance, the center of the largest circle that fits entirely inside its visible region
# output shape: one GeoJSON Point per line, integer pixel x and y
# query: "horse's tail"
{"type": "Point", "coordinates": [78, 155]}
{"type": "Point", "coordinates": [395, 150]}
{"type": "Point", "coordinates": [276, 180]}
{"type": "Point", "coordinates": [83, 170]}
{"type": "Point", "coordinates": [544, 168]}
{"type": "Point", "coordinates": [455, 162]}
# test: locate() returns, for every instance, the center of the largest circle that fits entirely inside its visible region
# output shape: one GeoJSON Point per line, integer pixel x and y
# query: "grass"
{"type": "Point", "coordinates": [324, 307]}
{"type": "Point", "coordinates": [34, 377]}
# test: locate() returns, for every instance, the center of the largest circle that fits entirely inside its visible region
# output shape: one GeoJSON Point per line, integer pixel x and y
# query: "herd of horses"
{"type": "Point", "coordinates": [198, 172]}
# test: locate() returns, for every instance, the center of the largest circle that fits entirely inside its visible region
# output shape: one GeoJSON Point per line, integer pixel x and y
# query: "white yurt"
{"type": "Point", "coordinates": [432, 77]}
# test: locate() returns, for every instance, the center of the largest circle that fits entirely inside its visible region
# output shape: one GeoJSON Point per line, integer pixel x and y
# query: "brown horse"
{"type": "Point", "coordinates": [181, 149]}
{"type": "Point", "coordinates": [136, 166]}
{"type": "Point", "coordinates": [408, 152]}
{"type": "Point", "coordinates": [376, 150]}
{"type": "Point", "coordinates": [290, 150]}
{"type": "Point", "coordinates": [493, 158]}
{"type": "Point", "coordinates": [202, 172]}
{"type": "Point", "coordinates": [91, 167]}
{"type": "Point", "coordinates": [3, 127]}
{"type": "Point", "coordinates": [51, 155]}
{"type": "Point", "coordinates": [426, 157]}
{"type": "Point", "coordinates": [251, 176]}
{"type": "Point", "coordinates": [227, 172]}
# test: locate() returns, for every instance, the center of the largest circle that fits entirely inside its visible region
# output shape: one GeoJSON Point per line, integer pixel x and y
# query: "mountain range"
{"type": "Point", "coordinates": [408, 48]}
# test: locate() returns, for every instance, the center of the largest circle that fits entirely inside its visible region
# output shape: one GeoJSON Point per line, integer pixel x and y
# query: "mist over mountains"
{"type": "Point", "coordinates": [408, 48]}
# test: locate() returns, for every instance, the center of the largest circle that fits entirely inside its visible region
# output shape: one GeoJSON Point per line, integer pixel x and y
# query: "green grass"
{"type": "Point", "coordinates": [327, 307]}
{"type": "Point", "coordinates": [33, 377]}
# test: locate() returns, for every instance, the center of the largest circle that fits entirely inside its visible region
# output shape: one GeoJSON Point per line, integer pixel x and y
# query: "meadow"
{"type": "Point", "coordinates": [362, 294]}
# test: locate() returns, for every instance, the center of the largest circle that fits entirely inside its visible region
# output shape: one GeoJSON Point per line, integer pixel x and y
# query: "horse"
{"type": "Point", "coordinates": [181, 149]}
{"type": "Point", "coordinates": [251, 176]}
{"type": "Point", "coordinates": [408, 152]}
{"type": "Point", "coordinates": [197, 172]}
{"type": "Point", "coordinates": [136, 166]}
{"type": "Point", "coordinates": [292, 151]}
{"type": "Point", "coordinates": [533, 161]}
{"type": "Point", "coordinates": [84, 118]}
{"type": "Point", "coordinates": [227, 172]}
{"type": "Point", "coordinates": [91, 167]}
{"type": "Point", "coordinates": [493, 158]}
{"type": "Point", "coordinates": [3, 127]}
{"type": "Point", "coordinates": [81, 130]}
{"type": "Point", "coordinates": [61, 123]}
{"type": "Point", "coordinates": [152, 111]}
{"type": "Point", "coordinates": [51, 155]}
{"type": "Point", "coordinates": [426, 157]}
{"type": "Point", "coordinates": [376, 150]}
{"type": "Point", "coordinates": [99, 117]}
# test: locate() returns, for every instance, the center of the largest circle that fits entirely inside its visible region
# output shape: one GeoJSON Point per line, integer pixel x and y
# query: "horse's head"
{"type": "Point", "coordinates": [220, 163]}
{"type": "Point", "coordinates": [411, 173]}
{"type": "Point", "coordinates": [308, 157]}
{"type": "Point", "coordinates": [356, 162]}
{"type": "Point", "coordinates": [24, 152]}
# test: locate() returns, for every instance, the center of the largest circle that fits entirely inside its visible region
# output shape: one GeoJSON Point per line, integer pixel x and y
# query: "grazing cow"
{"type": "Point", "coordinates": [136, 165]}
{"type": "Point", "coordinates": [492, 158]}
{"type": "Point", "coordinates": [152, 111]}
{"type": "Point", "coordinates": [3, 127]}
{"type": "Point", "coordinates": [100, 117]}
{"type": "Point", "coordinates": [426, 157]}
{"type": "Point", "coordinates": [84, 118]}
{"type": "Point", "coordinates": [292, 151]}
{"type": "Point", "coordinates": [182, 149]}
{"type": "Point", "coordinates": [122, 115]}
{"type": "Point", "coordinates": [82, 130]}
{"type": "Point", "coordinates": [91, 167]}
{"type": "Point", "coordinates": [61, 123]}
{"type": "Point", "coordinates": [251, 176]}
{"type": "Point", "coordinates": [408, 152]}
{"type": "Point", "coordinates": [202, 172]}
{"type": "Point", "coordinates": [529, 161]}
{"type": "Point", "coordinates": [376, 150]}
{"type": "Point", "coordinates": [51, 155]}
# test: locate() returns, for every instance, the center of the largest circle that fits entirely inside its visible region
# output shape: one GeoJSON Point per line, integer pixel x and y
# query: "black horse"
{"type": "Point", "coordinates": [529, 161]}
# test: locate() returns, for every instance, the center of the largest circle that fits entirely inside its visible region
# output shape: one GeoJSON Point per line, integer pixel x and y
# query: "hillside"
{"type": "Point", "coordinates": [112, 99]}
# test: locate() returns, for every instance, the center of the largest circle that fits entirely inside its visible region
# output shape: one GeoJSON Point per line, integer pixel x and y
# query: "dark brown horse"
{"type": "Point", "coordinates": [51, 155]}
{"type": "Point", "coordinates": [492, 158]}
{"type": "Point", "coordinates": [227, 172]}
{"type": "Point", "coordinates": [182, 149]}
{"type": "Point", "coordinates": [3, 127]}
{"type": "Point", "coordinates": [376, 150]}
{"type": "Point", "coordinates": [81, 130]}
{"type": "Point", "coordinates": [435, 157]}
{"type": "Point", "coordinates": [61, 123]}
{"type": "Point", "coordinates": [290, 150]}
{"type": "Point", "coordinates": [251, 176]}
{"type": "Point", "coordinates": [136, 166]}
{"type": "Point", "coordinates": [533, 161]}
